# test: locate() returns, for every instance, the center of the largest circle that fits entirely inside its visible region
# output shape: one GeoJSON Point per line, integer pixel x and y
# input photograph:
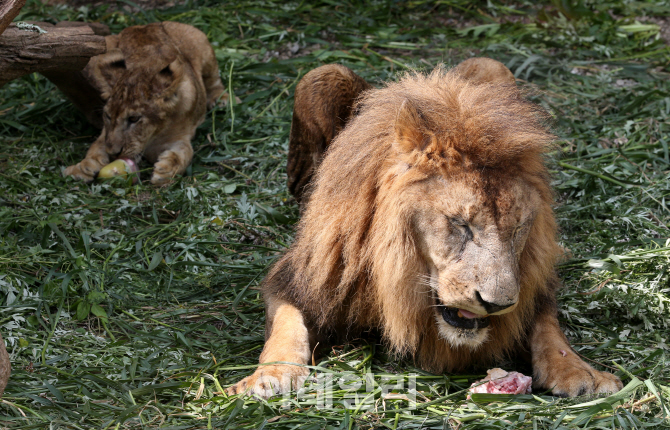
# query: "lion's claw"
{"type": "Point", "coordinates": [80, 173]}
{"type": "Point", "coordinates": [580, 379]}
{"type": "Point", "coordinates": [268, 381]}
{"type": "Point", "coordinates": [169, 165]}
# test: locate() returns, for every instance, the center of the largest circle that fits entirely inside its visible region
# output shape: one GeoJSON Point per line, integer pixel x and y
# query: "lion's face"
{"type": "Point", "coordinates": [140, 105]}
{"type": "Point", "coordinates": [130, 126]}
{"type": "Point", "coordinates": [471, 233]}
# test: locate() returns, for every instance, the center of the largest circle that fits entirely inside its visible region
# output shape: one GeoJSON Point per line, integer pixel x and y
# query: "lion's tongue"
{"type": "Point", "coordinates": [467, 314]}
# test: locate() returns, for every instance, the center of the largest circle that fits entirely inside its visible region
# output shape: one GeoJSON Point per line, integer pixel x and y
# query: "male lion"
{"type": "Point", "coordinates": [429, 219]}
{"type": "Point", "coordinates": [158, 81]}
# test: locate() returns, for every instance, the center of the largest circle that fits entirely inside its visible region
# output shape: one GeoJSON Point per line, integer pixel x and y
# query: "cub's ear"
{"type": "Point", "coordinates": [168, 78]}
{"type": "Point", "coordinates": [410, 129]}
{"type": "Point", "coordinates": [106, 69]}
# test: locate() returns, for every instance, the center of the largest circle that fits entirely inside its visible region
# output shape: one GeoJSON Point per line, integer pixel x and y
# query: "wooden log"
{"type": "Point", "coordinates": [59, 49]}
{"type": "Point", "coordinates": [8, 11]}
{"type": "Point", "coordinates": [98, 28]}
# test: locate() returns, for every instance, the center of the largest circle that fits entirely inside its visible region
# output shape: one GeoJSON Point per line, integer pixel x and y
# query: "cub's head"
{"type": "Point", "coordinates": [141, 96]}
{"type": "Point", "coordinates": [436, 196]}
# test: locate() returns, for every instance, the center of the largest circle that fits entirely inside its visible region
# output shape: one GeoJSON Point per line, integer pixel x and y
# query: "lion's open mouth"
{"type": "Point", "coordinates": [453, 317]}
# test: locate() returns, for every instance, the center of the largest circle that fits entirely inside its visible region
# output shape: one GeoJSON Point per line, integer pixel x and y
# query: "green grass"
{"type": "Point", "coordinates": [134, 306]}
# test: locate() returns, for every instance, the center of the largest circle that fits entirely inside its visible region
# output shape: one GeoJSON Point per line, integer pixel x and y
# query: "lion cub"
{"type": "Point", "coordinates": [157, 81]}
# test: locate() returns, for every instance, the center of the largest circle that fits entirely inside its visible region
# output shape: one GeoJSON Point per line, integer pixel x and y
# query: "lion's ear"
{"type": "Point", "coordinates": [170, 75]}
{"type": "Point", "coordinates": [410, 129]}
{"type": "Point", "coordinates": [168, 79]}
{"type": "Point", "coordinates": [106, 69]}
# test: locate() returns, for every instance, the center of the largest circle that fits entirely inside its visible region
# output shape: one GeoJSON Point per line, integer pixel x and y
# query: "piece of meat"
{"type": "Point", "coordinates": [499, 381]}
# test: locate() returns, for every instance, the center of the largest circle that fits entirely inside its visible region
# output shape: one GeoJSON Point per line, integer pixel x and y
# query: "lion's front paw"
{"type": "Point", "coordinates": [577, 378]}
{"type": "Point", "coordinates": [163, 173]}
{"type": "Point", "coordinates": [268, 381]}
{"type": "Point", "coordinates": [167, 167]}
{"type": "Point", "coordinates": [221, 101]}
{"type": "Point", "coordinates": [81, 171]}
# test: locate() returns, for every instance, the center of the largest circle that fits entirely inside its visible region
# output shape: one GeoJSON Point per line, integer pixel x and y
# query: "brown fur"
{"type": "Point", "coordinates": [383, 238]}
{"type": "Point", "coordinates": [481, 70]}
{"type": "Point", "coordinates": [324, 100]}
{"type": "Point", "coordinates": [341, 244]}
{"type": "Point", "coordinates": [158, 81]}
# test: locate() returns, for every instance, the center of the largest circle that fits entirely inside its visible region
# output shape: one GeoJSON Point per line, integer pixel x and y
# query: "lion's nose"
{"type": "Point", "coordinates": [490, 307]}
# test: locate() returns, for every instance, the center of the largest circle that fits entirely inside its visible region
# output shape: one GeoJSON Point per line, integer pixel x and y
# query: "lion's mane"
{"type": "Point", "coordinates": [355, 265]}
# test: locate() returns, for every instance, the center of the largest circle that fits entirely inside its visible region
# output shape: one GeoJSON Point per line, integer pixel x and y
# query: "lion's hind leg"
{"type": "Point", "coordinates": [324, 102]}
{"type": "Point", "coordinates": [212, 81]}
{"type": "Point", "coordinates": [558, 368]}
{"type": "Point", "coordinates": [288, 341]}
{"type": "Point", "coordinates": [482, 70]}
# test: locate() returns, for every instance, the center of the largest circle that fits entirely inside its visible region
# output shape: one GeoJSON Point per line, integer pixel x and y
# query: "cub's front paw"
{"type": "Point", "coordinates": [221, 101]}
{"type": "Point", "coordinates": [575, 378]}
{"type": "Point", "coordinates": [268, 381]}
{"type": "Point", "coordinates": [166, 168]}
{"type": "Point", "coordinates": [81, 172]}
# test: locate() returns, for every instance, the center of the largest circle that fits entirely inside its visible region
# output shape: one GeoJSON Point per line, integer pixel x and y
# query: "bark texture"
{"type": "Point", "coordinates": [8, 11]}
{"type": "Point", "coordinates": [63, 48]}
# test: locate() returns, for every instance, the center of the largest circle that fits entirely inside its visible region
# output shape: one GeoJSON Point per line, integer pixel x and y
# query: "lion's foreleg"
{"type": "Point", "coordinates": [96, 158]}
{"type": "Point", "coordinates": [558, 368]}
{"type": "Point", "coordinates": [287, 340]}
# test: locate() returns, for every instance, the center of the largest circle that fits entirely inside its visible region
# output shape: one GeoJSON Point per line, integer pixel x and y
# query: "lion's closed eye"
{"type": "Point", "coordinates": [462, 227]}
